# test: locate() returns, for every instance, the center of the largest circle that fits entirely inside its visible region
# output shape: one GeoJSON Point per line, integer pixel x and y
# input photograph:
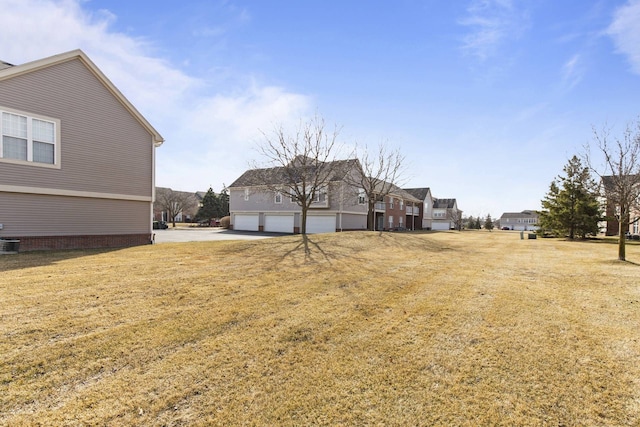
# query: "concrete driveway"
{"type": "Point", "coordinates": [176, 235]}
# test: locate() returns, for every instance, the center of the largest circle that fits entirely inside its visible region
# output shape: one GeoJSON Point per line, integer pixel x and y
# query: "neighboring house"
{"type": "Point", "coordinates": [77, 160]}
{"type": "Point", "coordinates": [446, 215]}
{"type": "Point", "coordinates": [190, 201]}
{"type": "Point", "coordinates": [611, 225]}
{"type": "Point", "coordinates": [526, 220]}
{"type": "Point", "coordinates": [424, 195]}
{"type": "Point", "coordinates": [399, 210]}
{"type": "Point", "coordinates": [437, 214]}
{"type": "Point", "coordinates": [254, 207]}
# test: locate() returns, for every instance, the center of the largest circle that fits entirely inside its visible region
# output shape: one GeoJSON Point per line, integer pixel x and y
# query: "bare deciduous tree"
{"type": "Point", "coordinates": [302, 163]}
{"type": "Point", "coordinates": [382, 173]}
{"type": "Point", "coordinates": [620, 176]}
{"type": "Point", "coordinates": [175, 202]}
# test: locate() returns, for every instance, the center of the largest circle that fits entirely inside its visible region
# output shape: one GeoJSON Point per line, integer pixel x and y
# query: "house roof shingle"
{"type": "Point", "coordinates": [277, 175]}
{"type": "Point", "coordinates": [444, 203]}
{"type": "Point", "coordinates": [419, 193]}
{"type": "Point", "coordinates": [523, 214]}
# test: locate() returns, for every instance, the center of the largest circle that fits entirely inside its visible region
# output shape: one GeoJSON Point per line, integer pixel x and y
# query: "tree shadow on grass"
{"type": "Point", "coordinates": [330, 248]}
{"type": "Point", "coordinates": [306, 244]}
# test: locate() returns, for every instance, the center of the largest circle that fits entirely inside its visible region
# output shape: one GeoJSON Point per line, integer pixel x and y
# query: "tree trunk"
{"type": "Point", "coordinates": [371, 217]}
{"type": "Point", "coordinates": [622, 240]}
{"type": "Point", "coordinates": [303, 221]}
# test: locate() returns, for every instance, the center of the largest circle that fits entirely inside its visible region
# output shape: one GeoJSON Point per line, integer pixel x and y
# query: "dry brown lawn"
{"type": "Point", "coordinates": [461, 329]}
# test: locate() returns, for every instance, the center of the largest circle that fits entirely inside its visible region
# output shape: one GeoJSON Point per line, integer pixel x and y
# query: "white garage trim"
{"type": "Point", "coordinates": [246, 222]}
{"type": "Point", "coordinates": [321, 224]}
{"type": "Point", "coordinates": [440, 226]}
{"type": "Point", "coordinates": [278, 223]}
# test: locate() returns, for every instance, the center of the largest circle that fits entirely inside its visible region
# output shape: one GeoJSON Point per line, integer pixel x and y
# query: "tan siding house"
{"type": "Point", "coordinates": [77, 160]}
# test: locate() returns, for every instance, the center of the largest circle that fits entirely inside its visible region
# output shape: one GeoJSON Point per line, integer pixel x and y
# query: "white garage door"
{"type": "Point", "coordinates": [321, 224]}
{"type": "Point", "coordinates": [278, 223]}
{"type": "Point", "coordinates": [246, 222]}
{"type": "Point", "coordinates": [440, 226]}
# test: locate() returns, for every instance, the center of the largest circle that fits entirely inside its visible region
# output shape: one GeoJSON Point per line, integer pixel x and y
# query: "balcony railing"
{"type": "Point", "coordinates": [380, 206]}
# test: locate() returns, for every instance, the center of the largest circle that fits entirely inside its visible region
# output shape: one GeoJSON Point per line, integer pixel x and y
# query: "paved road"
{"type": "Point", "coordinates": [205, 233]}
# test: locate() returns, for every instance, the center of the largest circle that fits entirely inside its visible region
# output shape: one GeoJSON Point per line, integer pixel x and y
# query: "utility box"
{"type": "Point", "coordinates": [9, 246]}
{"type": "Point", "coordinates": [533, 236]}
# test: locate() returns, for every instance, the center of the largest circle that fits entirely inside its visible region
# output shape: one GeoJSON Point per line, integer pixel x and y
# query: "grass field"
{"type": "Point", "coordinates": [463, 329]}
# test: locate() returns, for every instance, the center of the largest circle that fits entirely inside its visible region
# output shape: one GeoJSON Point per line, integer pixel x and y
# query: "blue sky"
{"type": "Point", "coordinates": [487, 99]}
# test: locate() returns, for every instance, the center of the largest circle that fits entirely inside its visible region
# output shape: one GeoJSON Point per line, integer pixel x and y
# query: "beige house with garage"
{"type": "Point", "coordinates": [255, 206]}
{"type": "Point", "coordinates": [77, 160]}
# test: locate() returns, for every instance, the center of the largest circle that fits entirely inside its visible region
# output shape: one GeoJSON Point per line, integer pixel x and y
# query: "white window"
{"type": "Point", "coordinates": [400, 221]}
{"type": "Point", "coordinates": [320, 195]}
{"type": "Point", "coordinates": [401, 207]}
{"type": "Point", "coordinates": [391, 200]}
{"type": "Point", "coordinates": [26, 138]}
{"type": "Point", "coordinates": [390, 221]}
{"type": "Point", "coordinates": [362, 196]}
{"type": "Point", "coordinates": [246, 194]}
{"type": "Point", "coordinates": [278, 197]}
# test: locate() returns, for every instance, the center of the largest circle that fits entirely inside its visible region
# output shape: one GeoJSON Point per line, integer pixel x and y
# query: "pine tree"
{"type": "Point", "coordinates": [223, 202]}
{"type": "Point", "coordinates": [571, 207]}
{"type": "Point", "coordinates": [477, 224]}
{"type": "Point", "coordinates": [488, 223]}
{"type": "Point", "coordinates": [210, 206]}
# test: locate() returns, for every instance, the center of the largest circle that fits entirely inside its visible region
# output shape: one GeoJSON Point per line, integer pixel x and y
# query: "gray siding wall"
{"type": "Point", "coordinates": [354, 222]}
{"type": "Point", "coordinates": [40, 215]}
{"type": "Point", "coordinates": [261, 200]}
{"type": "Point", "coordinates": [104, 148]}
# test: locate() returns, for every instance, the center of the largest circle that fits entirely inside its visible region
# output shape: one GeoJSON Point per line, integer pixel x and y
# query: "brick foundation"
{"type": "Point", "coordinates": [44, 243]}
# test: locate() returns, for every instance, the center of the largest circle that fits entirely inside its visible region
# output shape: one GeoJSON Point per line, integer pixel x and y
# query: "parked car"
{"type": "Point", "coordinates": [160, 225]}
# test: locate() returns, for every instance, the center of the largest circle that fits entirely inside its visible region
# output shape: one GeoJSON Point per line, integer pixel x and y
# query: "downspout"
{"type": "Point", "coordinates": [153, 189]}
{"type": "Point", "coordinates": [341, 202]}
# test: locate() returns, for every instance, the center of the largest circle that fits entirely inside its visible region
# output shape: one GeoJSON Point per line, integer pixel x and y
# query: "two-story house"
{"type": "Point", "coordinates": [77, 160]}
{"type": "Point", "coordinates": [611, 223]}
{"type": "Point", "coordinates": [437, 214]}
{"type": "Point", "coordinates": [424, 195]}
{"type": "Point", "coordinates": [446, 215]}
{"type": "Point", "coordinates": [257, 204]}
{"type": "Point", "coordinates": [526, 220]}
{"type": "Point", "coordinates": [398, 210]}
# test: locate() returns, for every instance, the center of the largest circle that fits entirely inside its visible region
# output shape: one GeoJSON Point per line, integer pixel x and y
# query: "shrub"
{"type": "Point", "coordinates": [225, 221]}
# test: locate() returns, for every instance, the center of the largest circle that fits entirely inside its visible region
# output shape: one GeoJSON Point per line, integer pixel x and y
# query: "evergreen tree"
{"type": "Point", "coordinates": [210, 206]}
{"type": "Point", "coordinates": [571, 207]}
{"type": "Point", "coordinates": [223, 202]}
{"type": "Point", "coordinates": [477, 224]}
{"type": "Point", "coordinates": [488, 223]}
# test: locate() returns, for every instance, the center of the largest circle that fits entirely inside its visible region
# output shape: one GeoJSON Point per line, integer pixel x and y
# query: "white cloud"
{"type": "Point", "coordinates": [572, 72]}
{"type": "Point", "coordinates": [208, 136]}
{"type": "Point", "coordinates": [625, 32]}
{"type": "Point", "coordinates": [492, 23]}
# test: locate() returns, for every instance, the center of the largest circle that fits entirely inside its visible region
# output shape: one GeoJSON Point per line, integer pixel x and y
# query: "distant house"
{"type": "Point", "coordinates": [190, 203]}
{"type": "Point", "coordinates": [446, 215]}
{"type": "Point", "coordinates": [398, 210]}
{"type": "Point", "coordinates": [424, 195]}
{"type": "Point", "coordinates": [438, 214]}
{"type": "Point", "coordinates": [255, 207]}
{"type": "Point", "coordinates": [611, 225]}
{"type": "Point", "coordinates": [77, 160]}
{"type": "Point", "coordinates": [526, 220]}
